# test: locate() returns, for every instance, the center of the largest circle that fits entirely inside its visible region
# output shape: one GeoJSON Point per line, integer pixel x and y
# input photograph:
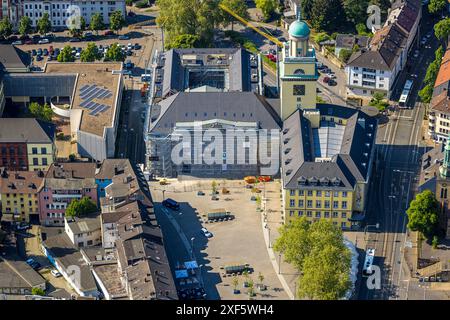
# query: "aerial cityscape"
{"type": "Point", "coordinates": [255, 150]}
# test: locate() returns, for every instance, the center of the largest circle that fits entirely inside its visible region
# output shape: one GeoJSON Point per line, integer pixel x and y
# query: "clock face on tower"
{"type": "Point", "coordinates": [299, 90]}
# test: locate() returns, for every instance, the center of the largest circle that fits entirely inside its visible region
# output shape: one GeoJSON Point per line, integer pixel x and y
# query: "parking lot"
{"type": "Point", "coordinates": [33, 250]}
{"type": "Point", "coordinates": [233, 242]}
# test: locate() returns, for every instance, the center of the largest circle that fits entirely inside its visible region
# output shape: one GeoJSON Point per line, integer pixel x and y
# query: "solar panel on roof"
{"type": "Point", "coordinates": [84, 88]}
{"type": "Point", "coordinates": [88, 90]}
{"type": "Point", "coordinates": [103, 94]}
{"type": "Point", "coordinates": [108, 95]}
{"type": "Point", "coordinates": [90, 105]}
{"type": "Point", "coordinates": [97, 107]}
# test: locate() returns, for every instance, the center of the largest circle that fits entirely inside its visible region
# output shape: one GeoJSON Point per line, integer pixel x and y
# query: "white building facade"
{"type": "Point", "coordinates": [62, 11]}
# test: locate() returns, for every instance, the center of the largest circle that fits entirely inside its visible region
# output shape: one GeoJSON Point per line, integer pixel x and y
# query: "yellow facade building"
{"type": "Point", "coordinates": [40, 155]}
{"type": "Point", "coordinates": [327, 150]}
{"type": "Point", "coordinates": [19, 195]}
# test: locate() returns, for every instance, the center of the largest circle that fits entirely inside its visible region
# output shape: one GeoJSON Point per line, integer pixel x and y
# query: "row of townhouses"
{"type": "Point", "coordinates": [61, 12]}
{"type": "Point", "coordinates": [376, 68]}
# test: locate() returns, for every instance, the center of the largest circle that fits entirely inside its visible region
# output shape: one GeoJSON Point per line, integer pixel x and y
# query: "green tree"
{"type": "Point", "coordinates": [6, 27]}
{"type": "Point", "coordinates": [114, 53]}
{"type": "Point", "coordinates": [237, 6]}
{"type": "Point", "coordinates": [261, 279]}
{"type": "Point", "coordinates": [66, 55]}
{"type": "Point", "coordinates": [196, 17]}
{"type": "Point", "coordinates": [437, 6]}
{"type": "Point", "coordinates": [423, 213]}
{"type": "Point", "coordinates": [321, 36]}
{"type": "Point", "coordinates": [214, 186]}
{"type": "Point", "coordinates": [235, 283]}
{"type": "Point", "coordinates": [302, 244]}
{"type": "Point", "coordinates": [442, 30]}
{"type": "Point", "coordinates": [267, 7]}
{"type": "Point", "coordinates": [44, 24]}
{"type": "Point", "coordinates": [77, 30]}
{"type": "Point", "coordinates": [184, 41]}
{"type": "Point", "coordinates": [324, 15]}
{"type": "Point", "coordinates": [25, 26]}
{"type": "Point", "coordinates": [37, 292]}
{"type": "Point", "coordinates": [81, 207]}
{"type": "Point", "coordinates": [345, 54]}
{"type": "Point", "coordinates": [96, 23]}
{"type": "Point", "coordinates": [116, 20]}
{"type": "Point", "coordinates": [42, 112]}
{"type": "Point", "coordinates": [90, 53]}
{"type": "Point", "coordinates": [378, 100]}
{"type": "Point", "coordinates": [325, 274]}
{"type": "Point", "coordinates": [306, 6]}
{"type": "Point", "coordinates": [356, 10]}
{"type": "Point", "coordinates": [435, 242]}
{"type": "Point", "coordinates": [426, 93]}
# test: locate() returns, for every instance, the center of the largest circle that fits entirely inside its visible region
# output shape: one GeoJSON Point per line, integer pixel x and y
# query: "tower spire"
{"type": "Point", "coordinates": [445, 167]}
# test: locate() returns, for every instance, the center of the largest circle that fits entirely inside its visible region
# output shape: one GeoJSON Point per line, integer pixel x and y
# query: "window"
{"type": "Point", "coordinates": [301, 192]}
{"type": "Point", "coordinates": [310, 193]}
{"type": "Point", "coordinates": [35, 161]}
{"type": "Point", "coordinates": [309, 214]}
{"type": "Point", "coordinates": [327, 204]}
{"type": "Point", "coordinates": [300, 203]}
{"type": "Point", "coordinates": [300, 213]}
{"type": "Point", "coordinates": [335, 204]}
{"type": "Point", "coordinates": [344, 215]}
{"type": "Point", "coordinates": [319, 193]}
{"type": "Point", "coordinates": [34, 150]}
{"type": "Point", "coordinates": [309, 204]}
{"type": "Point", "coordinates": [299, 90]}
{"type": "Point", "coordinates": [318, 214]}
{"type": "Point", "coordinates": [44, 161]}
{"type": "Point", "coordinates": [291, 213]}
{"type": "Point", "coordinates": [292, 203]}
{"type": "Point", "coordinates": [336, 194]}
{"type": "Point", "coordinates": [344, 204]}
{"type": "Point", "coordinates": [343, 224]}
{"type": "Point", "coordinates": [318, 204]}
{"type": "Point", "coordinates": [335, 214]}
{"type": "Point", "coordinates": [327, 214]}
{"type": "Point", "coordinates": [43, 150]}
{"type": "Point", "coordinates": [292, 192]}
{"type": "Point", "coordinates": [344, 194]}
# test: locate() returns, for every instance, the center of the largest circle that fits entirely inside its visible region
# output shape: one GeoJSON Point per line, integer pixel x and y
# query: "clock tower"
{"type": "Point", "coordinates": [298, 71]}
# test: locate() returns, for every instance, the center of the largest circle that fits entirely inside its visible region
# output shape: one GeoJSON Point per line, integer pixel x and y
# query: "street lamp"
{"type": "Point", "coordinates": [279, 263]}
{"type": "Point", "coordinates": [377, 225]}
{"type": "Point", "coordinates": [192, 247]}
{"type": "Point", "coordinates": [163, 191]}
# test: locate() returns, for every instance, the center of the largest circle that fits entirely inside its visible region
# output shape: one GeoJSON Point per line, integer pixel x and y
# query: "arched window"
{"type": "Point", "coordinates": [299, 71]}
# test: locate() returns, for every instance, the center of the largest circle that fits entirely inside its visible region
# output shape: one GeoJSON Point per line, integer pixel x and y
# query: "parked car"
{"type": "Point", "coordinates": [332, 83]}
{"type": "Point", "coordinates": [200, 193]}
{"type": "Point", "coordinates": [129, 65]}
{"type": "Point", "coordinates": [137, 46]}
{"type": "Point", "coordinates": [206, 233]}
{"type": "Point", "coordinates": [272, 57]}
{"type": "Point", "coordinates": [23, 226]}
{"type": "Point", "coordinates": [17, 42]}
{"type": "Point", "coordinates": [39, 58]}
{"type": "Point", "coordinates": [131, 14]}
{"type": "Point", "coordinates": [42, 41]}
{"type": "Point", "coordinates": [109, 33]}
{"type": "Point", "coordinates": [326, 79]}
{"type": "Point", "coordinates": [55, 273]}
{"type": "Point", "coordinates": [33, 52]}
{"type": "Point", "coordinates": [129, 53]}
{"type": "Point", "coordinates": [45, 52]}
{"type": "Point", "coordinates": [124, 37]}
{"type": "Point", "coordinates": [50, 58]}
{"type": "Point", "coordinates": [129, 46]}
{"type": "Point", "coordinates": [331, 75]}
{"type": "Point", "coordinates": [29, 41]}
{"type": "Point", "coordinates": [74, 40]}
{"type": "Point", "coordinates": [77, 55]}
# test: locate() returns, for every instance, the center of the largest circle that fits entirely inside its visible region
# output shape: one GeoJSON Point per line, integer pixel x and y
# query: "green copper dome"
{"type": "Point", "coordinates": [299, 29]}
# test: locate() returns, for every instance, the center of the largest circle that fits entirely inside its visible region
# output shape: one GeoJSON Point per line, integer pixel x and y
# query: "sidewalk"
{"type": "Point", "coordinates": [270, 223]}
